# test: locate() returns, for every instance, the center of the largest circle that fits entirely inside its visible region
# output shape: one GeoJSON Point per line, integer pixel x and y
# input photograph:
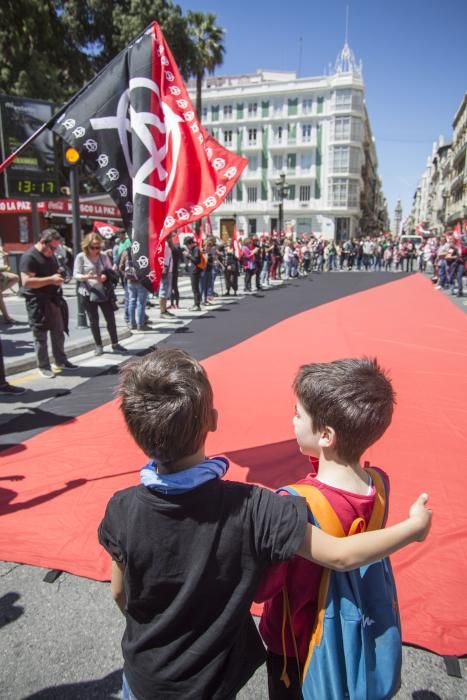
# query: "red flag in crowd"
{"type": "Point", "coordinates": [137, 131]}
{"type": "Point", "coordinates": [105, 229]}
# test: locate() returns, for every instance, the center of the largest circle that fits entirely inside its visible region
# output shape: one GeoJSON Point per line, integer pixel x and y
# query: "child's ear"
{"type": "Point", "coordinates": [213, 420]}
{"type": "Point", "coordinates": [327, 437]}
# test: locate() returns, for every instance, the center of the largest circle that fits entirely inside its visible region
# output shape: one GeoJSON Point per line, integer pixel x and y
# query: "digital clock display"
{"type": "Point", "coordinates": [29, 186]}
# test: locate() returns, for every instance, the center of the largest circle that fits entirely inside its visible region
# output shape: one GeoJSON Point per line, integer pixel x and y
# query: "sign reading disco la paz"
{"type": "Point", "coordinates": [137, 130]}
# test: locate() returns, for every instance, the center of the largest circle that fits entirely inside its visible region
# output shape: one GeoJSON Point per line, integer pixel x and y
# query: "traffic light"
{"type": "Point", "coordinates": [71, 157]}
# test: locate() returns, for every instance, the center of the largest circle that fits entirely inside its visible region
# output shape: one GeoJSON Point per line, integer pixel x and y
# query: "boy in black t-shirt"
{"type": "Point", "coordinates": [188, 549]}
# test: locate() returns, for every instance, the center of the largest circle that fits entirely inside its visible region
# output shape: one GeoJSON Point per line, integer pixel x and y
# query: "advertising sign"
{"type": "Point", "coordinates": [33, 173]}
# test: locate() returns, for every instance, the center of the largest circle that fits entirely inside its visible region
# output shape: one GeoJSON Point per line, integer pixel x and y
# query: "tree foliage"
{"type": "Point", "coordinates": [49, 48]}
{"type": "Point", "coordinates": [208, 49]}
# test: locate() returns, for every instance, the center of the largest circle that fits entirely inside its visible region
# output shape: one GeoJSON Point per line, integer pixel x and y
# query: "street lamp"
{"type": "Point", "coordinates": [282, 191]}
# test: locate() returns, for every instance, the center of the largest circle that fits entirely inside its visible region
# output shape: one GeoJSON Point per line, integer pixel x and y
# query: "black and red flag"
{"type": "Point", "coordinates": [137, 131]}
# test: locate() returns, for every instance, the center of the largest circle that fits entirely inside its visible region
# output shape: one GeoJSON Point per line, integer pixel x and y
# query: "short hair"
{"type": "Point", "coordinates": [50, 234]}
{"type": "Point", "coordinates": [92, 238]}
{"type": "Point", "coordinates": [167, 400]}
{"type": "Point", "coordinates": [188, 240]}
{"type": "Point", "coordinates": [353, 396]}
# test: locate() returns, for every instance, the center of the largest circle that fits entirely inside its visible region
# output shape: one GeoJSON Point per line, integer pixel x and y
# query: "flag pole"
{"type": "Point", "coordinates": [53, 119]}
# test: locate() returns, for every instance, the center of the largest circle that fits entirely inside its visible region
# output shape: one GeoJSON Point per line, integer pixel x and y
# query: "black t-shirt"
{"type": "Point", "coordinates": [192, 566]}
{"type": "Point", "coordinates": [33, 261]}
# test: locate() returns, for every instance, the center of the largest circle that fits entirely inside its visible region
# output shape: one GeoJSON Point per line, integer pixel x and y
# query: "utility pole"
{"type": "Point", "coordinates": [282, 191]}
{"type": "Point", "coordinates": [71, 159]}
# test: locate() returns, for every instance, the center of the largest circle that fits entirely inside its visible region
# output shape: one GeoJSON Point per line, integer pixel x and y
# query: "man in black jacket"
{"type": "Point", "coordinates": [47, 310]}
{"type": "Point", "coordinates": [193, 254]}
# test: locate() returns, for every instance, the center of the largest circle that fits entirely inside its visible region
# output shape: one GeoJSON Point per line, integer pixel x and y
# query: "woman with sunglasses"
{"type": "Point", "coordinates": [93, 270]}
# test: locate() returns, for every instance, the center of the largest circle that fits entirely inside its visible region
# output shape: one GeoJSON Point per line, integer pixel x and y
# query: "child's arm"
{"type": "Point", "coordinates": [346, 553]}
{"type": "Point", "coordinates": [116, 585]}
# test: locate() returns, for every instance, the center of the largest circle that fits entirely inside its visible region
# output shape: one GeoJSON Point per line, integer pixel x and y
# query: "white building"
{"type": "Point", "coordinates": [316, 131]}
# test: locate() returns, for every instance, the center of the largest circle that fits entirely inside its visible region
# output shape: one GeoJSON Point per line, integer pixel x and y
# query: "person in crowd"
{"type": "Point", "coordinates": [231, 268]}
{"type": "Point", "coordinates": [441, 263]}
{"type": "Point", "coordinates": [176, 260]}
{"type": "Point", "coordinates": [248, 262]}
{"type": "Point", "coordinates": [411, 254]}
{"type": "Point", "coordinates": [329, 430]}
{"type": "Point", "coordinates": [378, 255]}
{"type": "Point", "coordinates": [306, 257]}
{"type": "Point", "coordinates": [206, 284]}
{"type": "Point", "coordinates": [8, 280]}
{"type": "Point", "coordinates": [41, 287]}
{"type": "Point", "coordinates": [165, 289]}
{"type": "Point", "coordinates": [137, 291]}
{"type": "Point", "coordinates": [259, 259]}
{"type": "Point", "coordinates": [330, 256]}
{"type": "Point", "coordinates": [266, 255]}
{"type": "Point", "coordinates": [7, 389]}
{"type": "Point", "coordinates": [193, 255]}
{"type": "Point", "coordinates": [276, 259]}
{"type": "Point", "coordinates": [93, 270]}
{"type": "Point", "coordinates": [349, 250]}
{"type": "Point", "coordinates": [368, 250]}
{"type": "Point", "coordinates": [359, 253]}
{"type": "Point", "coordinates": [122, 242]}
{"type": "Point", "coordinates": [287, 256]}
{"type": "Point", "coordinates": [188, 548]}
{"type": "Point", "coordinates": [387, 257]}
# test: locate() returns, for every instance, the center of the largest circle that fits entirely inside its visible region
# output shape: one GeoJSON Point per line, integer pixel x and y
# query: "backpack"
{"type": "Point", "coordinates": [130, 273]}
{"type": "Point", "coordinates": [203, 261]}
{"type": "Point", "coordinates": [355, 650]}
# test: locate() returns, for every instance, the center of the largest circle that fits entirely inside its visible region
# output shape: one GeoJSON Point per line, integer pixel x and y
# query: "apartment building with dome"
{"type": "Point", "coordinates": [315, 131]}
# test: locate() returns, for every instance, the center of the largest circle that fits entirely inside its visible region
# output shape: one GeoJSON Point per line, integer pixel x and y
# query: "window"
{"type": "Point", "coordinates": [307, 106]}
{"type": "Point", "coordinates": [291, 133]}
{"type": "Point", "coordinates": [277, 163]}
{"type": "Point", "coordinates": [291, 162]}
{"type": "Point", "coordinates": [306, 132]}
{"type": "Point", "coordinates": [227, 111]}
{"type": "Point", "coordinates": [239, 111]}
{"type": "Point", "coordinates": [339, 159]}
{"type": "Point", "coordinates": [215, 113]}
{"type": "Point", "coordinates": [305, 161]}
{"type": "Point", "coordinates": [356, 130]}
{"type": "Point", "coordinates": [353, 193]}
{"type": "Point", "coordinates": [342, 128]}
{"type": "Point", "coordinates": [265, 109]}
{"type": "Point", "coordinates": [204, 114]}
{"type": "Point", "coordinates": [251, 226]}
{"type": "Point", "coordinates": [252, 109]}
{"type": "Point", "coordinates": [252, 164]}
{"type": "Point", "coordinates": [320, 104]}
{"type": "Point", "coordinates": [229, 197]}
{"type": "Point", "coordinates": [343, 192]}
{"type": "Point", "coordinates": [355, 160]}
{"type": "Point", "coordinates": [275, 194]}
{"type": "Point", "coordinates": [305, 193]}
{"type": "Point", "coordinates": [278, 135]}
{"type": "Point", "coordinates": [251, 194]}
{"type": "Point", "coordinates": [338, 193]}
{"type": "Point", "coordinates": [228, 138]}
{"type": "Point", "coordinates": [278, 107]}
{"type": "Point", "coordinates": [343, 99]}
{"type": "Point", "coordinates": [291, 192]}
{"type": "Point", "coordinates": [252, 134]}
{"type": "Point", "coordinates": [292, 106]}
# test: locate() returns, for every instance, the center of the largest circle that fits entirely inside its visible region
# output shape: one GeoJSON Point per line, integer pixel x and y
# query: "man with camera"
{"type": "Point", "coordinates": [47, 309]}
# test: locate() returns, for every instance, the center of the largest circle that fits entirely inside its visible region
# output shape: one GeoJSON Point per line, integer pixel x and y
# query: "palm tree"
{"type": "Point", "coordinates": [208, 49]}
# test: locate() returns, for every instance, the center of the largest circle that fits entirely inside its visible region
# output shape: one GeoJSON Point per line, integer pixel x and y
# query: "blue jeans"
{"type": "Point", "coordinates": [126, 691]}
{"type": "Point", "coordinates": [137, 303]}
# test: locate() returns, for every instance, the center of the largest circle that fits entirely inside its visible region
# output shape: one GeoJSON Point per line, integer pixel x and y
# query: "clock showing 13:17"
{"type": "Point", "coordinates": [29, 186]}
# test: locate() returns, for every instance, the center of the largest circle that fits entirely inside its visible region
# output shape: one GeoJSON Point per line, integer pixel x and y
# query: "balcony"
{"type": "Point", "coordinates": [459, 154]}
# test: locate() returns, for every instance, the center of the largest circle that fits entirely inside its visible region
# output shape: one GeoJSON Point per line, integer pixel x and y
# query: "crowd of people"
{"type": "Point", "coordinates": [215, 268]}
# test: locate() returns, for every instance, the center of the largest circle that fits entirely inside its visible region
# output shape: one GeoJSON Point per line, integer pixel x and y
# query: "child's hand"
{"type": "Point", "coordinates": [422, 516]}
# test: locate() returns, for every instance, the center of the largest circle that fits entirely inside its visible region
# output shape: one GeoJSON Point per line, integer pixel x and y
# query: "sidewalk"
{"type": "Point", "coordinates": [18, 342]}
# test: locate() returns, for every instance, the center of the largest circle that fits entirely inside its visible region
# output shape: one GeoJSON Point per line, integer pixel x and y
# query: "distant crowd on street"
{"type": "Point", "coordinates": [215, 267]}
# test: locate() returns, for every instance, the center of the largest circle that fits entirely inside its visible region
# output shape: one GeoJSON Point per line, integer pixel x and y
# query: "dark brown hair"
{"type": "Point", "coordinates": [354, 397]}
{"type": "Point", "coordinates": [166, 399]}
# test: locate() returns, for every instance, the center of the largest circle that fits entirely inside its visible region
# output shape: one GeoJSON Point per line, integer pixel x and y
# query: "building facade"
{"type": "Point", "coordinates": [317, 132]}
{"type": "Point", "coordinates": [440, 200]}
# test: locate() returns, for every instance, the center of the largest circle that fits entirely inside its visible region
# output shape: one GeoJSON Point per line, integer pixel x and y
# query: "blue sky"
{"type": "Point", "coordinates": [414, 55]}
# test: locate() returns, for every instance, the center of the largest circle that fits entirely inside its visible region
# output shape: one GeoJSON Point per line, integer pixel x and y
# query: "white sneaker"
{"type": "Point", "coordinates": [47, 373]}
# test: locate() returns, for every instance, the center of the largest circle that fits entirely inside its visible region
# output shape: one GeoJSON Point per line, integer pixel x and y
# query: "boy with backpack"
{"type": "Point", "coordinates": [342, 408]}
{"type": "Point", "coordinates": [188, 548]}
